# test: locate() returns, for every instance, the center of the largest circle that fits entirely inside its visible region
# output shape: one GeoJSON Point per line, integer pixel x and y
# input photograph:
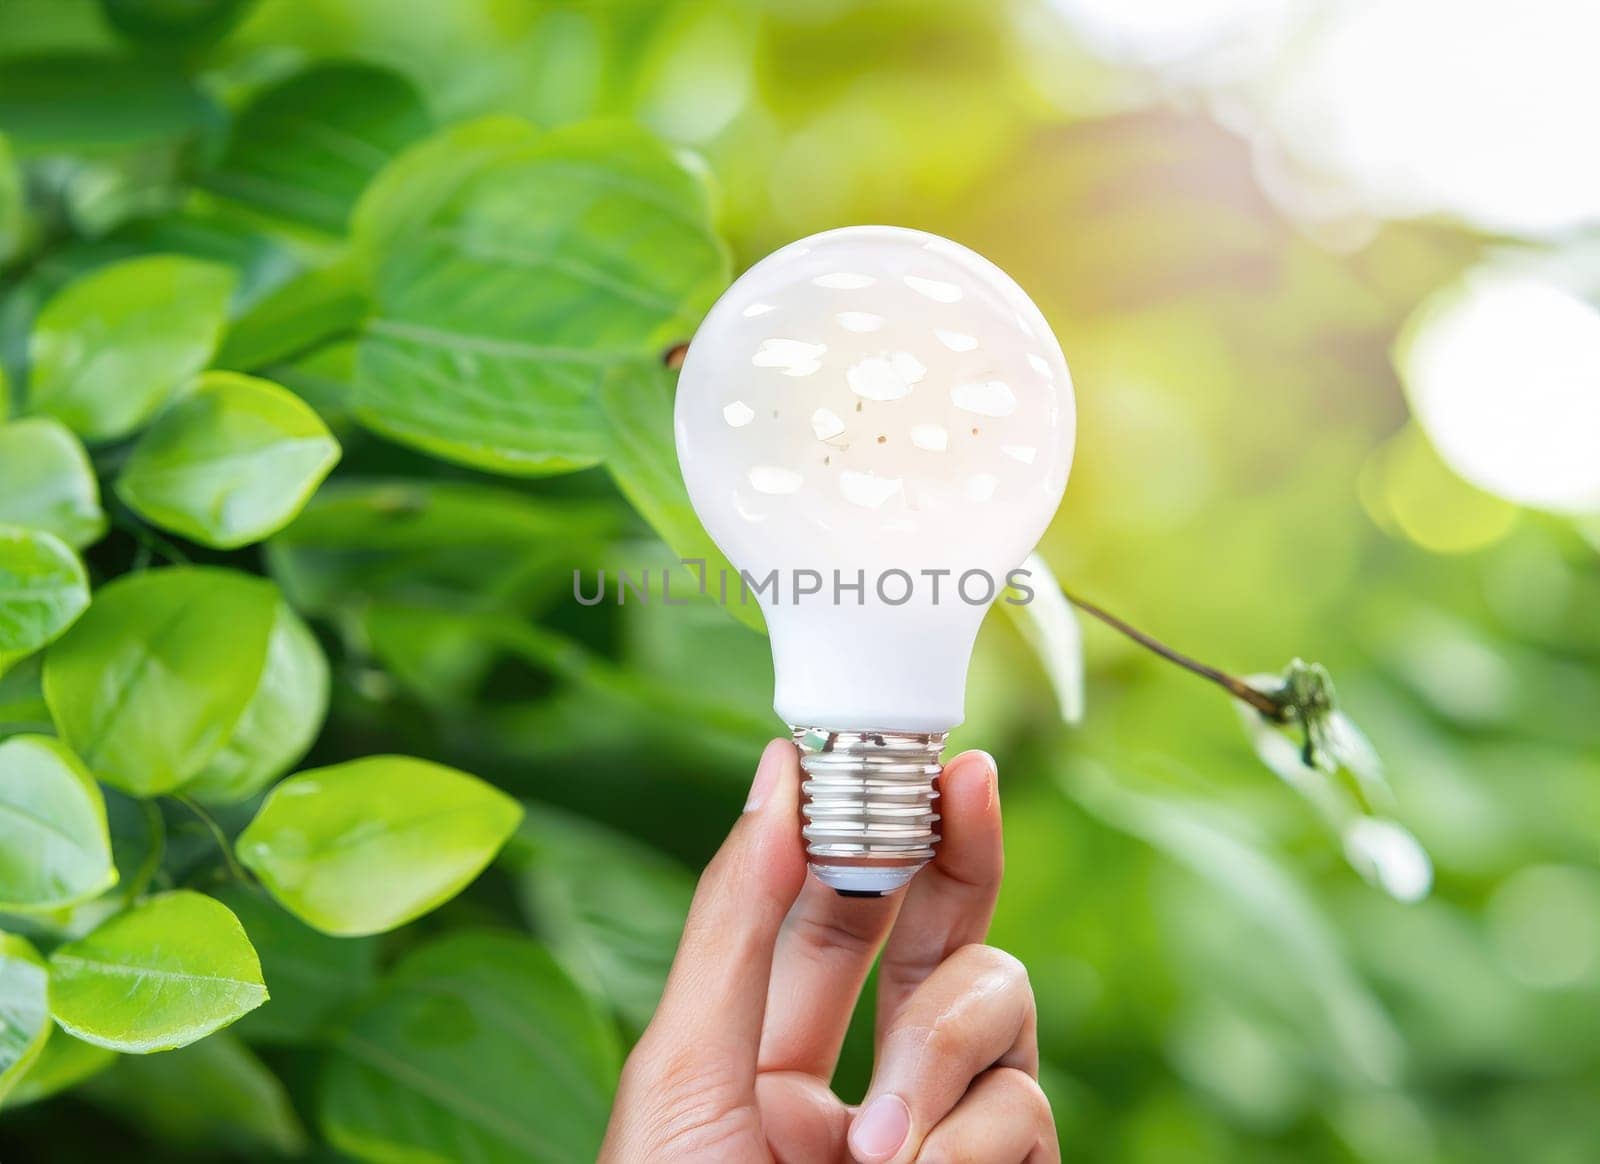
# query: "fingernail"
{"type": "Point", "coordinates": [991, 778]}
{"type": "Point", "coordinates": [880, 1129]}
{"type": "Point", "coordinates": [766, 776]}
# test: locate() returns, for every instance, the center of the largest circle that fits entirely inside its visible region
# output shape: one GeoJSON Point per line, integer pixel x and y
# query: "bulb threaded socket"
{"type": "Point", "coordinates": [869, 805]}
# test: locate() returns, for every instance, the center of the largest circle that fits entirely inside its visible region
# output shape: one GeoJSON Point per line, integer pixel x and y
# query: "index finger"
{"type": "Point", "coordinates": [716, 993]}
{"type": "Point", "coordinates": [951, 902]}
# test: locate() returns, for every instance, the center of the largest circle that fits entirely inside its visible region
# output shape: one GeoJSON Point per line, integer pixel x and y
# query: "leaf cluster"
{"type": "Point", "coordinates": [310, 276]}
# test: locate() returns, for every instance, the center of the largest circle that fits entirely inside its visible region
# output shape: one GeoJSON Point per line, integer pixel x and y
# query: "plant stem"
{"type": "Point", "coordinates": [1275, 710]}
{"type": "Point", "coordinates": [148, 541]}
{"type": "Point", "coordinates": [217, 835]}
{"type": "Point", "coordinates": [151, 865]}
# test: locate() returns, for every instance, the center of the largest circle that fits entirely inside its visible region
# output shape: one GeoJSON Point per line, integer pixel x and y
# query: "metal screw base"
{"type": "Point", "coordinates": [870, 823]}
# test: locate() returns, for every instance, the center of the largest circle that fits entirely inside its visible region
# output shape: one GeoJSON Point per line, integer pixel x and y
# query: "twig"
{"type": "Point", "coordinates": [148, 541]}
{"type": "Point", "coordinates": [151, 865]}
{"type": "Point", "coordinates": [217, 835]}
{"type": "Point", "coordinates": [1274, 709]}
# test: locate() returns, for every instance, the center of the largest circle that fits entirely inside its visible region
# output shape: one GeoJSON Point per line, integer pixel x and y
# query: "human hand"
{"type": "Point", "coordinates": [736, 1063]}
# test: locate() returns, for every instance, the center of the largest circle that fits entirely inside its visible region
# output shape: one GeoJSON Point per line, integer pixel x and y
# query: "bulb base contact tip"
{"type": "Point", "coordinates": [869, 806]}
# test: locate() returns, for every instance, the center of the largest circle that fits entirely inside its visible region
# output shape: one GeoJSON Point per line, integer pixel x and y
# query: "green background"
{"type": "Point", "coordinates": [1214, 981]}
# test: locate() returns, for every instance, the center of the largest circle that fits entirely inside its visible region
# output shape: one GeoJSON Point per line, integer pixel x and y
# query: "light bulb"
{"type": "Point", "coordinates": [875, 426]}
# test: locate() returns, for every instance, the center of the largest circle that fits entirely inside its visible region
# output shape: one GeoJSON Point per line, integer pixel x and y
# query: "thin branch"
{"type": "Point", "coordinates": [217, 835]}
{"type": "Point", "coordinates": [148, 541]}
{"type": "Point", "coordinates": [1273, 709]}
{"type": "Point", "coordinates": [151, 865]}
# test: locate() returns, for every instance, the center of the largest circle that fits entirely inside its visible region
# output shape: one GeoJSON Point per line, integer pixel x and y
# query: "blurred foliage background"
{"type": "Point", "coordinates": [1325, 275]}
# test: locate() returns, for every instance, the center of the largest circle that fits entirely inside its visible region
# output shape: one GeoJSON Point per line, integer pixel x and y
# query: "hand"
{"type": "Point", "coordinates": [736, 1063]}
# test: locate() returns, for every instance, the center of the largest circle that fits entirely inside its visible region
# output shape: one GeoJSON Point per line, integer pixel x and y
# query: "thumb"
{"type": "Point", "coordinates": [716, 995]}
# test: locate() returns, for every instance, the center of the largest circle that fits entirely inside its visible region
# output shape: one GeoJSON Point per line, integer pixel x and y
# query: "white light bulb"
{"type": "Point", "coordinates": [879, 406]}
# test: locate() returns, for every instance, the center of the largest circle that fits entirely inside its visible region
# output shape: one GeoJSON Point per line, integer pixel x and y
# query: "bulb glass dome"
{"type": "Point", "coordinates": [880, 405]}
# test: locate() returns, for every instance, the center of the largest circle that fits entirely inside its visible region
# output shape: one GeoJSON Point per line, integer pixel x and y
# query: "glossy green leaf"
{"type": "Point", "coordinates": [280, 721]}
{"type": "Point", "coordinates": [167, 972]}
{"type": "Point", "coordinates": [306, 148]}
{"type": "Point", "coordinates": [636, 404]}
{"type": "Point", "coordinates": [43, 590]}
{"type": "Point", "coordinates": [81, 102]}
{"type": "Point", "coordinates": [477, 1048]}
{"type": "Point", "coordinates": [325, 379]}
{"type": "Point", "coordinates": [1050, 626]}
{"type": "Point", "coordinates": [13, 220]}
{"type": "Point", "coordinates": [47, 482]}
{"type": "Point", "coordinates": [419, 183]}
{"type": "Point", "coordinates": [500, 310]}
{"type": "Point", "coordinates": [262, 260]}
{"type": "Point", "coordinates": [230, 463]}
{"type": "Point", "coordinates": [611, 909]}
{"type": "Point", "coordinates": [113, 347]}
{"type": "Point", "coordinates": [305, 313]}
{"type": "Point", "coordinates": [213, 1093]}
{"type": "Point", "coordinates": [24, 1009]}
{"type": "Point", "coordinates": [22, 706]}
{"type": "Point", "coordinates": [165, 23]}
{"type": "Point", "coordinates": [452, 542]}
{"type": "Point", "coordinates": [64, 1063]}
{"type": "Point", "coordinates": [1328, 996]}
{"type": "Point", "coordinates": [315, 979]}
{"type": "Point", "coordinates": [364, 847]}
{"type": "Point", "coordinates": [55, 848]}
{"type": "Point", "coordinates": [151, 683]}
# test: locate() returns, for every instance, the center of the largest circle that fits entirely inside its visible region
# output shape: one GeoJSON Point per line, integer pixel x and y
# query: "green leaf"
{"type": "Point", "coordinates": [71, 103]}
{"type": "Point", "coordinates": [419, 183]}
{"type": "Point", "coordinates": [215, 1092]}
{"type": "Point", "coordinates": [43, 590]}
{"type": "Point", "coordinates": [315, 979]}
{"type": "Point", "coordinates": [230, 463]}
{"type": "Point", "coordinates": [611, 909]}
{"type": "Point", "coordinates": [478, 1048]}
{"type": "Point", "coordinates": [305, 313]}
{"type": "Point", "coordinates": [261, 260]}
{"type": "Point", "coordinates": [55, 847]}
{"type": "Point", "coordinates": [460, 544]}
{"type": "Point", "coordinates": [151, 682]}
{"type": "Point", "coordinates": [499, 311]}
{"type": "Point", "coordinates": [24, 1009]}
{"type": "Point", "coordinates": [636, 402]}
{"type": "Point", "coordinates": [1050, 626]}
{"type": "Point", "coordinates": [113, 347]}
{"type": "Point", "coordinates": [324, 378]}
{"type": "Point", "coordinates": [64, 1063]}
{"type": "Point", "coordinates": [280, 721]}
{"type": "Point", "coordinates": [306, 148]}
{"type": "Point", "coordinates": [13, 221]}
{"type": "Point", "coordinates": [1289, 925]}
{"type": "Point", "coordinates": [22, 706]}
{"type": "Point", "coordinates": [163, 24]}
{"type": "Point", "coordinates": [167, 972]}
{"type": "Point", "coordinates": [363, 847]}
{"type": "Point", "coordinates": [47, 482]}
